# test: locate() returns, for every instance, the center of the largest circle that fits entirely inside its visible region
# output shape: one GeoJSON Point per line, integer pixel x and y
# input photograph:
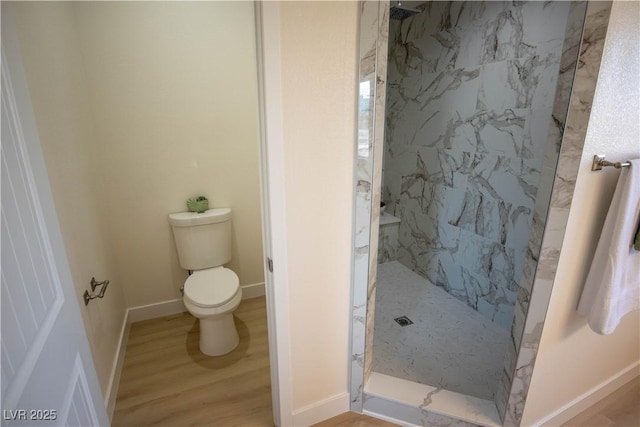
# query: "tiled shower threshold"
{"type": "Point", "coordinates": [442, 368]}
{"type": "Point", "coordinates": [395, 399]}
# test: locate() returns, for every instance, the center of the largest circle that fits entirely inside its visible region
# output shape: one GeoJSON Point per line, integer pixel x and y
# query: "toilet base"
{"type": "Point", "coordinates": [218, 335]}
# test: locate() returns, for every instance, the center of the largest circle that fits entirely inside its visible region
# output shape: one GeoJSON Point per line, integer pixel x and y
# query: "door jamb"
{"type": "Point", "coordinates": [273, 200]}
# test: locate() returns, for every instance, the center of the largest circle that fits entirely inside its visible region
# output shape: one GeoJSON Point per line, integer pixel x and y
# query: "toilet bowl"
{"type": "Point", "coordinates": [211, 296]}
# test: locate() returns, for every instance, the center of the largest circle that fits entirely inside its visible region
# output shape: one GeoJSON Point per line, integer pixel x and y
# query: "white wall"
{"type": "Point", "coordinates": [573, 360]}
{"type": "Point", "coordinates": [57, 84]}
{"type": "Point", "coordinates": [174, 94]}
{"type": "Point", "coordinates": [319, 76]}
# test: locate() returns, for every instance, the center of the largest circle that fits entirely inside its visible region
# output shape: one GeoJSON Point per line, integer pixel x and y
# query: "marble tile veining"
{"type": "Point", "coordinates": [514, 132]}
{"type": "Point", "coordinates": [544, 248]}
{"type": "Point", "coordinates": [449, 345]}
{"type": "Point", "coordinates": [374, 17]}
{"type": "Point", "coordinates": [421, 404]}
{"type": "Point", "coordinates": [470, 97]}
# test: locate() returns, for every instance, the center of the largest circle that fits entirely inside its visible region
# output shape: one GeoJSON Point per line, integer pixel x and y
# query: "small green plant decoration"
{"type": "Point", "coordinates": [199, 204]}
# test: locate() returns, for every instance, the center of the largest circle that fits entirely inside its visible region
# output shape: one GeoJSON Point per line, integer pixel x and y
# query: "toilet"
{"type": "Point", "coordinates": [211, 292]}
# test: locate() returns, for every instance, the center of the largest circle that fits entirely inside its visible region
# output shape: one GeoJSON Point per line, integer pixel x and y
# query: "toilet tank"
{"type": "Point", "coordinates": [202, 240]}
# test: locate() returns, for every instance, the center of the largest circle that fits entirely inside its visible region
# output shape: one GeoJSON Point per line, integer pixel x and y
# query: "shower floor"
{"type": "Point", "coordinates": [449, 345]}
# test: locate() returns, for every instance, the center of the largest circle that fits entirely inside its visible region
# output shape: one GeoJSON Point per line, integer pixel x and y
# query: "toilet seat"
{"type": "Point", "coordinates": [212, 287]}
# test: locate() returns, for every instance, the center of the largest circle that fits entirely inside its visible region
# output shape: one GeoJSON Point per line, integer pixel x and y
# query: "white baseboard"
{"type": "Point", "coordinates": [253, 291]}
{"type": "Point", "coordinates": [151, 311]}
{"type": "Point", "coordinates": [591, 397]}
{"type": "Point", "coordinates": [116, 370]}
{"type": "Point", "coordinates": [175, 306]}
{"type": "Point", "coordinates": [321, 411]}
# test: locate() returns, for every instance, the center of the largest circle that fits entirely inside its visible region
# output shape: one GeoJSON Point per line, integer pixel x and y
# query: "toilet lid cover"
{"type": "Point", "coordinates": [212, 287]}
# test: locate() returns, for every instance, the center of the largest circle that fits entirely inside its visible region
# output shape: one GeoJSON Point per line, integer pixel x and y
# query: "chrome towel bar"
{"type": "Point", "coordinates": [599, 162]}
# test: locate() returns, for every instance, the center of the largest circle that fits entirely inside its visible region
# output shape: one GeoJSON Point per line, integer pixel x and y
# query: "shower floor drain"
{"type": "Point", "coordinates": [403, 321]}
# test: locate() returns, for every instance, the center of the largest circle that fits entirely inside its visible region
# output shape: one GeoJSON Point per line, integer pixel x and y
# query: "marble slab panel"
{"type": "Point", "coordinates": [425, 405]}
{"type": "Point", "coordinates": [363, 195]}
{"type": "Point", "coordinates": [544, 249]}
{"type": "Point", "coordinates": [374, 16]}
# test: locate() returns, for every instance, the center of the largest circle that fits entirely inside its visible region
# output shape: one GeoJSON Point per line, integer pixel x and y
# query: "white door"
{"type": "Point", "coordinates": [48, 376]}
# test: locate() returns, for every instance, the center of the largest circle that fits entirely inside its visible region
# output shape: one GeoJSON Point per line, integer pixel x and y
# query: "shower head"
{"type": "Point", "coordinates": [400, 12]}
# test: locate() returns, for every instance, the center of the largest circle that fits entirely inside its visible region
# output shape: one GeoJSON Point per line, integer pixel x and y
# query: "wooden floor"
{"type": "Point", "coordinates": [166, 381]}
{"type": "Point", "coordinates": [619, 409]}
{"type": "Point", "coordinates": [352, 419]}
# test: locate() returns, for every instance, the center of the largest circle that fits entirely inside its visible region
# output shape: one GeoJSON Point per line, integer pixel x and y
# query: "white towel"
{"type": "Point", "coordinates": [612, 288]}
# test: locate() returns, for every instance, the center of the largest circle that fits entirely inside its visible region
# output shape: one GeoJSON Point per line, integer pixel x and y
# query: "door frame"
{"type": "Point", "coordinates": [273, 200]}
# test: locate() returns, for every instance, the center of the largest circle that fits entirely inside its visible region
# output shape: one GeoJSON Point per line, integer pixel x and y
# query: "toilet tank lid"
{"type": "Point", "coordinates": [211, 216]}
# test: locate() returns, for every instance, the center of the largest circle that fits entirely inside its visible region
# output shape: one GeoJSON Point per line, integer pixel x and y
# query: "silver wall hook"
{"type": "Point", "coordinates": [94, 284]}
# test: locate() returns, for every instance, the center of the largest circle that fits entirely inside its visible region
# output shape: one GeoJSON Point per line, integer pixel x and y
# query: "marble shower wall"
{"type": "Point", "coordinates": [470, 97]}
{"type": "Point", "coordinates": [569, 62]}
{"type": "Point", "coordinates": [545, 242]}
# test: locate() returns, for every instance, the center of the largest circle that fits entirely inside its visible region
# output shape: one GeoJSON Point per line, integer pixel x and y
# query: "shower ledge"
{"type": "Point", "coordinates": [415, 396]}
{"type": "Point", "coordinates": [387, 218]}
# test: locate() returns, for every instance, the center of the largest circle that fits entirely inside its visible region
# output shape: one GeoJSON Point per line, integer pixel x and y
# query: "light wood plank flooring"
{"type": "Point", "coordinates": [352, 419]}
{"type": "Point", "coordinates": [166, 381]}
{"type": "Point", "coordinates": [619, 409]}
